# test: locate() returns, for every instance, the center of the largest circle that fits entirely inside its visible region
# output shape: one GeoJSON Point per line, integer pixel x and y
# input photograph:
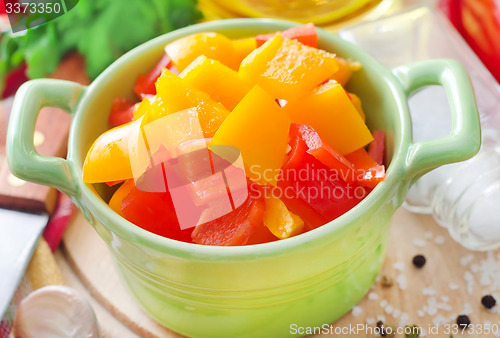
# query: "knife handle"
{"type": "Point", "coordinates": [50, 139]}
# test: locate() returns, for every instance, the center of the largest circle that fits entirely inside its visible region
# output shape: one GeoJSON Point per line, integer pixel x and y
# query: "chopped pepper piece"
{"type": "Point", "coordinates": [243, 47]}
{"type": "Point", "coordinates": [368, 172]}
{"type": "Point", "coordinates": [356, 101]}
{"type": "Point", "coordinates": [215, 46]}
{"type": "Point", "coordinates": [217, 80]}
{"type": "Point", "coordinates": [333, 116]}
{"type": "Point", "coordinates": [173, 95]}
{"type": "Point", "coordinates": [109, 157]}
{"type": "Point", "coordinates": [234, 228]}
{"type": "Point", "coordinates": [262, 235]}
{"type": "Point", "coordinates": [311, 190]}
{"type": "Point", "coordinates": [279, 220]}
{"type": "Point", "coordinates": [377, 147]}
{"type": "Point", "coordinates": [152, 211]}
{"type": "Point", "coordinates": [305, 34]}
{"type": "Point", "coordinates": [324, 153]}
{"type": "Point", "coordinates": [346, 68]}
{"type": "Point", "coordinates": [145, 84]}
{"type": "Point", "coordinates": [287, 69]}
{"type": "Point", "coordinates": [122, 111]}
{"type": "Point", "coordinates": [258, 127]}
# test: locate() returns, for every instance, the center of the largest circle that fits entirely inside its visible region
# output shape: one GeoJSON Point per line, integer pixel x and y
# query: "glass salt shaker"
{"type": "Point", "coordinates": [465, 196]}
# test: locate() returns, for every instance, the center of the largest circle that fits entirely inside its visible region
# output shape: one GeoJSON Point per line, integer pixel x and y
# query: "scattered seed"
{"type": "Point", "coordinates": [389, 331]}
{"type": "Point", "coordinates": [419, 261]}
{"type": "Point", "coordinates": [357, 311]}
{"type": "Point", "coordinates": [463, 321]}
{"type": "Point", "coordinates": [439, 240]}
{"type": "Point", "coordinates": [488, 301]}
{"type": "Point", "coordinates": [402, 281]}
{"type": "Point", "coordinates": [387, 281]}
{"type": "Point", "coordinates": [399, 266]}
{"type": "Point", "coordinates": [386, 331]}
{"type": "Point", "coordinates": [467, 310]}
{"type": "Point", "coordinates": [419, 242]}
{"type": "Point", "coordinates": [370, 321]}
{"type": "Point", "coordinates": [414, 331]}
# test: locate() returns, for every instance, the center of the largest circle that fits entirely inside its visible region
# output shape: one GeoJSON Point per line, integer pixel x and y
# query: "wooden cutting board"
{"type": "Point", "coordinates": [87, 265]}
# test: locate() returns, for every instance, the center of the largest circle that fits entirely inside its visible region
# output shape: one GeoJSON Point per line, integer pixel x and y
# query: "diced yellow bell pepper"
{"type": "Point", "coordinates": [109, 157]}
{"type": "Point", "coordinates": [287, 69]}
{"type": "Point", "coordinates": [346, 68]}
{"type": "Point", "coordinates": [244, 47]}
{"type": "Point", "coordinates": [172, 95]}
{"type": "Point", "coordinates": [217, 80]}
{"type": "Point", "coordinates": [331, 113]}
{"type": "Point", "coordinates": [143, 108]}
{"type": "Point", "coordinates": [279, 220]}
{"type": "Point", "coordinates": [258, 127]}
{"type": "Point", "coordinates": [215, 46]}
{"type": "Point", "coordinates": [356, 101]}
{"type": "Point", "coordinates": [115, 203]}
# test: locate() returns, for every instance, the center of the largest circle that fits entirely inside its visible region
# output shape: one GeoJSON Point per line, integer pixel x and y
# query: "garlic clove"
{"type": "Point", "coordinates": [55, 311]}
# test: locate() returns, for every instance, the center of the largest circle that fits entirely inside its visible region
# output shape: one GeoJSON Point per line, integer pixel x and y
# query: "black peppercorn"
{"type": "Point", "coordinates": [488, 301]}
{"type": "Point", "coordinates": [419, 261]}
{"type": "Point", "coordinates": [380, 325]}
{"type": "Point", "coordinates": [463, 321]}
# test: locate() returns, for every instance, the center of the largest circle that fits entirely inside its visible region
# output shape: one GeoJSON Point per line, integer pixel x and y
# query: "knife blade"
{"type": "Point", "coordinates": [25, 207]}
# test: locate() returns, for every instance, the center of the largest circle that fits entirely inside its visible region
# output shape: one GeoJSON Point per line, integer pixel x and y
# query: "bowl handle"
{"type": "Point", "coordinates": [23, 159]}
{"type": "Point", "coordinates": [465, 137]}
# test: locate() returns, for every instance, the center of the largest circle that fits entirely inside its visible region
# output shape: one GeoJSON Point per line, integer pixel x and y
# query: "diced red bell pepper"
{"type": "Point", "coordinates": [368, 172]}
{"type": "Point", "coordinates": [234, 228]}
{"type": "Point", "coordinates": [145, 84]}
{"type": "Point", "coordinates": [262, 235]}
{"type": "Point", "coordinates": [122, 111]}
{"type": "Point", "coordinates": [377, 147]}
{"type": "Point", "coordinates": [311, 190]}
{"type": "Point", "coordinates": [152, 211]}
{"type": "Point", "coordinates": [323, 152]}
{"type": "Point", "coordinates": [305, 34]}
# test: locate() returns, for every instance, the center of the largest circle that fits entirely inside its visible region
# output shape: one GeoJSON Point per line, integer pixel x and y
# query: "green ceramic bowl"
{"type": "Point", "coordinates": [261, 290]}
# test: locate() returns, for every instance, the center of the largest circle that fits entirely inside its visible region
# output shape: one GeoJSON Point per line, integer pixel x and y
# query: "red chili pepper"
{"type": "Point", "coordinates": [478, 21]}
{"type": "Point", "coordinates": [15, 78]}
